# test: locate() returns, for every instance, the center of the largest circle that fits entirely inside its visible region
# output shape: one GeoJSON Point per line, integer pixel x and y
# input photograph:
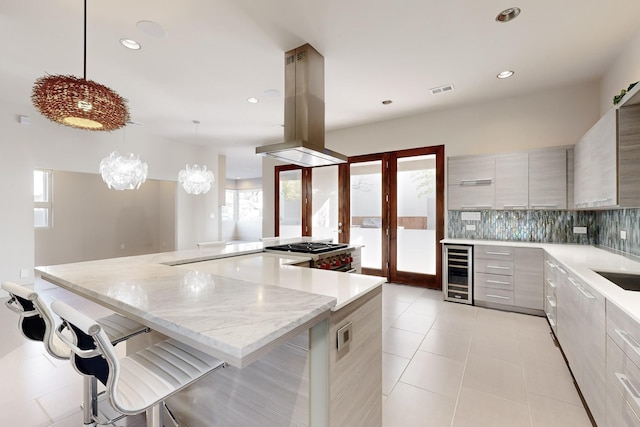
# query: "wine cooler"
{"type": "Point", "coordinates": [457, 277]}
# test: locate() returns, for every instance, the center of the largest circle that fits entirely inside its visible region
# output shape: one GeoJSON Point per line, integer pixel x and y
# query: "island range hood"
{"type": "Point", "coordinates": [303, 112]}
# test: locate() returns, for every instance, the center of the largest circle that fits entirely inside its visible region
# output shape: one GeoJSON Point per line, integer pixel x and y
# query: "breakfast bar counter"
{"type": "Point", "coordinates": [252, 310]}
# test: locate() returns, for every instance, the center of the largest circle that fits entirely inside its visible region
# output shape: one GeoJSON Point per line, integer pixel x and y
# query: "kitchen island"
{"type": "Point", "coordinates": [277, 328]}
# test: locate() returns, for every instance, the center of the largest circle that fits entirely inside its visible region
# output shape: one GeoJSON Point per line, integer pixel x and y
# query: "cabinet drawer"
{"type": "Point", "coordinates": [623, 374]}
{"type": "Point", "coordinates": [550, 287]}
{"type": "Point", "coordinates": [500, 296]}
{"type": "Point", "coordinates": [550, 266]}
{"type": "Point", "coordinates": [503, 268]}
{"type": "Point", "coordinates": [494, 252]}
{"type": "Point", "coordinates": [495, 281]}
{"type": "Point", "coordinates": [624, 331]}
{"type": "Point", "coordinates": [619, 411]}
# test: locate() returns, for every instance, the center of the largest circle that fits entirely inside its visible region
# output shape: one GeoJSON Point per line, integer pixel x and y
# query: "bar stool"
{"type": "Point", "coordinates": [38, 324]}
{"type": "Point", "coordinates": [140, 382]}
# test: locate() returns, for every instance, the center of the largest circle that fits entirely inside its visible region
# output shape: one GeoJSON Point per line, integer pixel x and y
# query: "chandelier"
{"type": "Point", "coordinates": [196, 180]}
{"type": "Point", "coordinates": [126, 172]}
{"type": "Point", "coordinates": [78, 102]}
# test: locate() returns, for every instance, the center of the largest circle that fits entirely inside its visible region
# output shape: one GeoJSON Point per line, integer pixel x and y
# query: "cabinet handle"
{"type": "Point", "coordinates": [498, 282]}
{"type": "Point", "coordinates": [476, 181]}
{"type": "Point", "coordinates": [626, 383]}
{"type": "Point", "coordinates": [544, 205]}
{"type": "Point", "coordinates": [551, 284]}
{"type": "Point", "coordinates": [514, 206]}
{"type": "Point", "coordinates": [496, 296]}
{"type": "Point", "coordinates": [550, 264]}
{"type": "Point", "coordinates": [551, 301]}
{"type": "Point", "coordinates": [497, 267]}
{"type": "Point", "coordinates": [476, 207]}
{"type": "Point", "coordinates": [497, 253]}
{"type": "Point", "coordinates": [582, 290]}
{"type": "Point", "coordinates": [626, 337]}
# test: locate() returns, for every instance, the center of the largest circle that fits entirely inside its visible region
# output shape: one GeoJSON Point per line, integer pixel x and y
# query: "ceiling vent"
{"type": "Point", "coordinates": [441, 89]}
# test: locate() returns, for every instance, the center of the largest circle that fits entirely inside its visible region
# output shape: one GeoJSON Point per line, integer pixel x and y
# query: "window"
{"type": "Point", "coordinates": [42, 198]}
{"type": "Point", "coordinates": [249, 205]}
{"type": "Point", "coordinates": [228, 210]}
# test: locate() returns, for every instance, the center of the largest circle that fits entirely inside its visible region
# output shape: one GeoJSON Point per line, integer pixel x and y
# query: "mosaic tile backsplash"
{"type": "Point", "coordinates": [603, 227]}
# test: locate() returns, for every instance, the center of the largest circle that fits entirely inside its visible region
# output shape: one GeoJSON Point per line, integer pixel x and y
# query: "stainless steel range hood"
{"type": "Point", "coordinates": [303, 112]}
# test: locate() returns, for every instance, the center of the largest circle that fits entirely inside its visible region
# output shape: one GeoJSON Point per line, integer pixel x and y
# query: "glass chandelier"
{"type": "Point", "coordinates": [196, 180]}
{"type": "Point", "coordinates": [78, 102]}
{"type": "Point", "coordinates": [126, 172]}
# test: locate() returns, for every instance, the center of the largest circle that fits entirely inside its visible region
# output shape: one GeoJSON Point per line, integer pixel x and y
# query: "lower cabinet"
{"type": "Point", "coordinates": [622, 371]}
{"type": "Point", "coordinates": [509, 278]}
{"type": "Point", "coordinates": [581, 331]}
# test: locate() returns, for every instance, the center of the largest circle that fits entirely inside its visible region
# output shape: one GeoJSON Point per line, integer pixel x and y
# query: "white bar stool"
{"type": "Point", "coordinates": [38, 324]}
{"type": "Point", "coordinates": [140, 382]}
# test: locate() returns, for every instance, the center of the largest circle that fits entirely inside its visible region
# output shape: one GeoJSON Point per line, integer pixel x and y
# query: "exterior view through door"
{"type": "Point", "coordinates": [391, 203]}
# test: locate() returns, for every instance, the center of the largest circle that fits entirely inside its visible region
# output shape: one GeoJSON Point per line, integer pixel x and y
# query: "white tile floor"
{"type": "Point", "coordinates": [444, 364]}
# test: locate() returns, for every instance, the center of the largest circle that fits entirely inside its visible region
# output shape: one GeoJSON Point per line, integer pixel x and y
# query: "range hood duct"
{"type": "Point", "coordinates": [303, 112]}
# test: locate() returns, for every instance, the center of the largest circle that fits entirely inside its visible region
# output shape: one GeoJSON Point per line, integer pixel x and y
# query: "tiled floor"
{"type": "Point", "coordinates": [448, 364]}
{"type": "Point", "coordinates": [444, 364]}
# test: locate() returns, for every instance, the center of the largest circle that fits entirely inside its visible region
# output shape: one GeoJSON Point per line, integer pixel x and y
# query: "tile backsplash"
{"type": "Point", "coordinates": [547, 226]}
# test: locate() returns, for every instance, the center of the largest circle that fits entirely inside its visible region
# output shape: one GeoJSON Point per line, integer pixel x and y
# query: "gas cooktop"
{"type": "Point", "coordinates": [308, 247]}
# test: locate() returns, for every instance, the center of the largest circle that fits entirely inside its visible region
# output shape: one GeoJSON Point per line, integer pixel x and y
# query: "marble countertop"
{"type": "Point", "coordinates": [584, 261]}
{"type": "Point", "coordinates": [273, 269]}
{"type": "Point", "coordinates": [232, 301]}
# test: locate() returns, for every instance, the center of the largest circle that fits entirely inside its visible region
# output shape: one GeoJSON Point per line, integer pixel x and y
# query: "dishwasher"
{"type": "Point", "coordinates": [457, 278]}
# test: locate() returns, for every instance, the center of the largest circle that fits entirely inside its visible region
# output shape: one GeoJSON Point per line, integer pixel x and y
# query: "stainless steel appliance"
{"type": "Point", "coordinates": [327, 256]}
{"type": "Point", "coordinates": [457, 277]}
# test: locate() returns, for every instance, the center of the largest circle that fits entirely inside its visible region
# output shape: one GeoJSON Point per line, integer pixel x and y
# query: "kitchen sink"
{"type": "Point", "coordinates": [627, 281]}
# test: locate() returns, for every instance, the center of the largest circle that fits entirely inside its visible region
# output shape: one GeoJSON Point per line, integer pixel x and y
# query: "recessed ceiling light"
{"type": "Point", "coordinates": [508, 14]}
{"type": "Point", "coordinates": [272, 93]}
{"type": "Point", "coordinates": [387, 102]}
{"type": "Point", "coordinates": [130, 44]}
{"type": "Point", "coordinates": [505, 74]}
{"type": "Point", "coordinates": [152, 29]}
{"type": "Point", "coordinates": [252, 100]}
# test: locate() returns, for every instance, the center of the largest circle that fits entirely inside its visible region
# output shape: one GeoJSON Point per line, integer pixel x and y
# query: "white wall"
{"type": "Point", "coordinates": [43, 144]}
{"type": "Point", "coordinates": [624, 69]}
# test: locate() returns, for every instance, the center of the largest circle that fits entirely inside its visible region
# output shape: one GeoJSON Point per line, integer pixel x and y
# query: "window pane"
{"type": "Point", "coordinates": [324, 202]}
{"type": "Point", "coordinates": [366, 211]}
{"type": "Point", "coordinates": [41, 217]}
{"type": "Point", "coordinates": [41, 186]}
{"type": "Point", "coordinates": [416, 192]}
{"type": "Point", "coordinates": [290, 220]}
{"type": "Point", "coordinates": [249, 205]}
{"type": "Point", "coordinates": [229, 205]}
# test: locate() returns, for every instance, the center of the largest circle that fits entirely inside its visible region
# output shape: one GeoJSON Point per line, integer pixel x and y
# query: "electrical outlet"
{"type": "Point", "coordinates": [623, 234]}
{"type": "Point", "coordinates": [580, 230]}
{"type": "Point", "coordinates": [471, 227]}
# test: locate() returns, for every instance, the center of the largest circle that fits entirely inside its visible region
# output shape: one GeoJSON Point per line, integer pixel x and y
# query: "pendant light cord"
{"type": "Point", "coordinates": [85, 40]}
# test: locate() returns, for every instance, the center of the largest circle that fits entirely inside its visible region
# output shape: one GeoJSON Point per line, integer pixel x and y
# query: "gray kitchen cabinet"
{"type": "Point", "coordinates": [622, 371]}
{"type": "Point", "coordinates": [512, 181]}
{"type": "Point", "coordinates": [536, 179]}
{"type": "Point", "coordinates": [548, 178]}
{"type": "Point", "coordinates": [529, 278]}
{"type": "Point", "coordinates": [509, 278]}
{"type": "Point", "coordinates": [581, 331]}
{"type": "Point", "coordinates": [471, 182]}
{"type": "Point", "coordinates": [550, 297]}
{"type": "Point", "coordinates": [607, 161]}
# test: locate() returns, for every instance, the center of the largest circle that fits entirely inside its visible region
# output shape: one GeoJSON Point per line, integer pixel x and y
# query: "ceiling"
{"type": "Point", "coordinates": [218, 53]}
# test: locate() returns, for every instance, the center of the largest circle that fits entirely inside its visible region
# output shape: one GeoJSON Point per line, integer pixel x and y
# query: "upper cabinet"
{"type": "Point", "coordinates": [471, 182]}
{"type": "Point", "coordinates": [607, 161]}
{"type": "Point", "coordinates": [528, 180]}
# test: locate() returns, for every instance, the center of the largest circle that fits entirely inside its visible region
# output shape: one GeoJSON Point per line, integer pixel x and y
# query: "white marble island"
{"type": "Point", "coordinates": [272, 326]}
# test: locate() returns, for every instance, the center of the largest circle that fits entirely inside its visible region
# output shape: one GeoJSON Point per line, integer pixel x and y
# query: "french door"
{"type": "Point", "coordinates": [391, 203]}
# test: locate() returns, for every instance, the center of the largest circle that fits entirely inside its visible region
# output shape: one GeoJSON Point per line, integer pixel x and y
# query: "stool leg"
{"type": "Point", "coordinates": [89, 399]}
{"type": "Point", "coordinates": [155, 416]}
